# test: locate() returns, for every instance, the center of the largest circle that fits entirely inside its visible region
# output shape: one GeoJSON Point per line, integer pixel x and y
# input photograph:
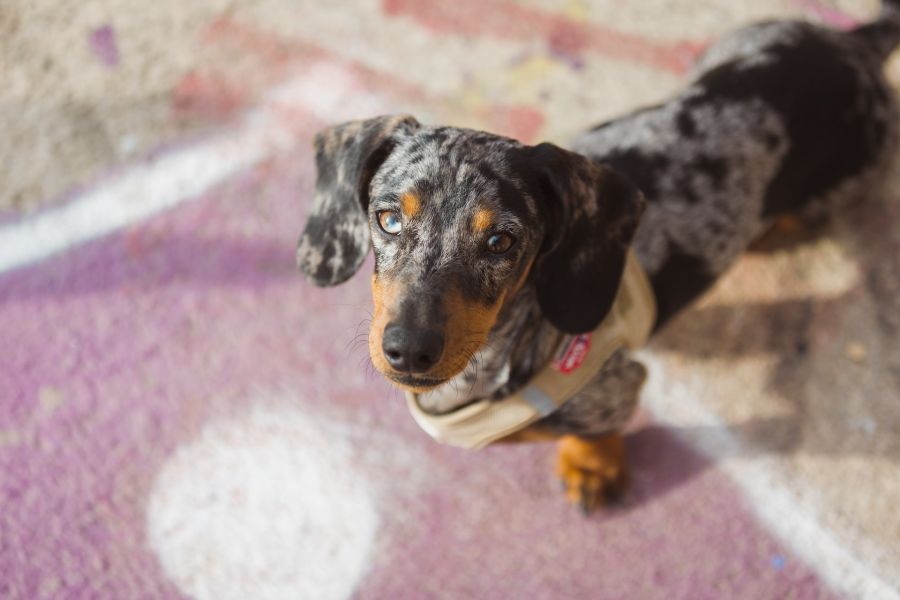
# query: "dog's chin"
{"type": "Point", "coordinates": [414, 383]}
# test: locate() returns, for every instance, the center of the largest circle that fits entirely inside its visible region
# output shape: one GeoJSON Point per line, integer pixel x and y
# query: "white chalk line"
{"type": "Point", "coordinates": [795, 520]}
{"type": "Point", "coordinates": [323, 91]}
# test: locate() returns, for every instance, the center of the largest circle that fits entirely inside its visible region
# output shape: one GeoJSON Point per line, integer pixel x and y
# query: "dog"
{"type": "Point", "coordinates": [488, 250]}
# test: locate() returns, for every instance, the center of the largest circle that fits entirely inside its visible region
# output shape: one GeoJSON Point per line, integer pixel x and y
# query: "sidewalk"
{"type": "Point", "coordinates": [182, 415]}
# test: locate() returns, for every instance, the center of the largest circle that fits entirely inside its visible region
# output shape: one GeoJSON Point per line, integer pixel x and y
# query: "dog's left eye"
{"type": "Point", "coordinates": [500, 243]}
{"type": "Point", "coordinates": [389, 221]}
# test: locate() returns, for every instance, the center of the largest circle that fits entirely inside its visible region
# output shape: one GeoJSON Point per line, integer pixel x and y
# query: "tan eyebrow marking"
{"type": "Point", "coordinates": [483, 219]}
{"type": "Point", "coordinates": [410, 205]}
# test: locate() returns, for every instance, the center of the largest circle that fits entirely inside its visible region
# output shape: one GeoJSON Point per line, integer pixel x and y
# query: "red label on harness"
{"type": "Point", "coordinates": [573, 353]}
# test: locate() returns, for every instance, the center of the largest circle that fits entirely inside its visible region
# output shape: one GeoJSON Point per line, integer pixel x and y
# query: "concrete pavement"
{"type": "Point", "coordinates": [182, 415]}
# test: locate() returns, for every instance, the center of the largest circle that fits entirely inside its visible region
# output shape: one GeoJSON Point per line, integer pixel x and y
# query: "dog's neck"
{"type": "Point", "coordinates": [519, 344]}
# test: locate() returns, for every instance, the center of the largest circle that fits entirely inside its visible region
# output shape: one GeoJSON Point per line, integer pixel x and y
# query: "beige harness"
{"type": "Point", "coordinates": [576, 362]}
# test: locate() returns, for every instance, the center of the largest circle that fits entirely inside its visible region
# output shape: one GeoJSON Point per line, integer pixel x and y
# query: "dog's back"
{"type": "Point", "coordinates": [782, 117]}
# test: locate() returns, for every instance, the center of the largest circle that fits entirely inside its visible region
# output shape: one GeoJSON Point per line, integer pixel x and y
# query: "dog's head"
{"type": "Point", "coordinates": [460, 221]}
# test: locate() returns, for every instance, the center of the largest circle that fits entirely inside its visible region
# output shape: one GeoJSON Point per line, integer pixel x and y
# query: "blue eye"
{"type": "Point", "coordinates": [389, 221]}
{"type": "Point", "coordinates": [500, 243]}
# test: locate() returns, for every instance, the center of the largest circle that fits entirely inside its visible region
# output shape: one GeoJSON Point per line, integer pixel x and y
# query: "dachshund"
{"type": "Point", "coordinates": [488, 250]}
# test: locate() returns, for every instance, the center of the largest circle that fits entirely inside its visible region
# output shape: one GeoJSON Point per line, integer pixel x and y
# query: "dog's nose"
{"type": "Point", "coordinates": [411, 350]}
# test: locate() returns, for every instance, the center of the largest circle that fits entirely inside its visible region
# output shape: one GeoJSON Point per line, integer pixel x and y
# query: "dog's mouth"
{"type": "Point", "coordinates": [427, 381]}
{"type": "Point", "coordinates": [415, 383]}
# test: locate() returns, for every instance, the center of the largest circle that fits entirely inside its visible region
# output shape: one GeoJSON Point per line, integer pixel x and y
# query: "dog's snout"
{"type": "Point", "coordinates": [411, 350]}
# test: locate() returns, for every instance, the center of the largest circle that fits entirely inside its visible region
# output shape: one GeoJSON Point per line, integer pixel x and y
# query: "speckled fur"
{"type": "Point", "coordinates": [782, 117]}
{"type": "Point", "coordinates": [778, 118]}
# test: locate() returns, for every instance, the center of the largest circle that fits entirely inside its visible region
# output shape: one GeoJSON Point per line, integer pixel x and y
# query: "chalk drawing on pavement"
{"type": "Point", "coordinates": [263, 505]}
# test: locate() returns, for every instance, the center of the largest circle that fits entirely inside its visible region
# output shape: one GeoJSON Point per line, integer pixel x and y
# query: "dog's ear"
{"type": "Point", "coordinates": [591, 213]}
{"type": "Point", "coordinates": [335, 240]}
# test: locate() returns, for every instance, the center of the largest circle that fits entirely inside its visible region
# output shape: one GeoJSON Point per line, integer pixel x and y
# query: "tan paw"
{"type": "Point", "coordinates": [593, 471]}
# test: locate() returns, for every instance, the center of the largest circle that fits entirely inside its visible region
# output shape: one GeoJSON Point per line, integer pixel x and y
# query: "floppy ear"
{"type": "Point", "coordinates": [335, 240]}
{"type": "Point", "coordinates": [592, 213]}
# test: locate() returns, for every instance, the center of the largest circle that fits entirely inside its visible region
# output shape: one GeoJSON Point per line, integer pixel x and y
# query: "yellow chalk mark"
{"type": "Point", "coordinates": [50, 398]}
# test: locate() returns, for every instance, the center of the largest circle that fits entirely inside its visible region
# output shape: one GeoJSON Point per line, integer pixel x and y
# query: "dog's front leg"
{"type": "Point", "coordinates": [591, 458]}
{"type": "Point", "coordinates": [593, 470]}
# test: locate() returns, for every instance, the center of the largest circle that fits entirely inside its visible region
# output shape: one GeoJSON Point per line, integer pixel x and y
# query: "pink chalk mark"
{"type": "Point", "coordinates": [521, 122]}
{"type": "Point", "coordinates": [103, 43]}
{"type": "Point", "coordinates": [211, 95]}
{"type": "Point", "coordinates": [223, 93]}
{"type": "Point", "coordinates": [566, 37]}
{"type": "Point", "coordinates": [828, 14]}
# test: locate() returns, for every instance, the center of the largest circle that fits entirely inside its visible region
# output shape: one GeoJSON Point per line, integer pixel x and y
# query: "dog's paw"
{"type": "Point", "coordinates": [592, 471]}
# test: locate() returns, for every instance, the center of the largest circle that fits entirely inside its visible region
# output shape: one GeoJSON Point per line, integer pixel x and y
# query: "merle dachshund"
{"type": "Point", "coordinates": [486, 249]}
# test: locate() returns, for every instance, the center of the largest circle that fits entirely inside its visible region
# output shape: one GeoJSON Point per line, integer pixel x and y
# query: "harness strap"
{"type": "Point", "coordinates": [578, 359]}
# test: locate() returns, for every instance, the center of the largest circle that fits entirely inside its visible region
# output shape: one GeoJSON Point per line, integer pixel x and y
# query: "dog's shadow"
{"type": "Point", "coordinates": [832, 401]}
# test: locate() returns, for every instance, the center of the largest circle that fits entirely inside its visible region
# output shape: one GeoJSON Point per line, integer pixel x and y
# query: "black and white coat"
{"type": "Point", "coordinates": [779, 118]}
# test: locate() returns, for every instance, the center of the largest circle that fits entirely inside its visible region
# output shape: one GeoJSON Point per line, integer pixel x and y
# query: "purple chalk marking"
{"type": "Point", "coordinates": [573, 61]}
{"type": "Point", "coordinates": [141, 337]}
{"type": "Point", "coordinates": [103, 44]}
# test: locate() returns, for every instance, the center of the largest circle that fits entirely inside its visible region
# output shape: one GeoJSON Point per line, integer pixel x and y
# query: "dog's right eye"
{"type": "Point", "coordinates": [500, 243]}
{"type": "Point", "coordinates": [389, 221]}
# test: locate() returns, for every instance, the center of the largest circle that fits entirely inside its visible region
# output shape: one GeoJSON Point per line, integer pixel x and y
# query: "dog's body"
{"type": "Point", "coordinates": [781, 118]}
